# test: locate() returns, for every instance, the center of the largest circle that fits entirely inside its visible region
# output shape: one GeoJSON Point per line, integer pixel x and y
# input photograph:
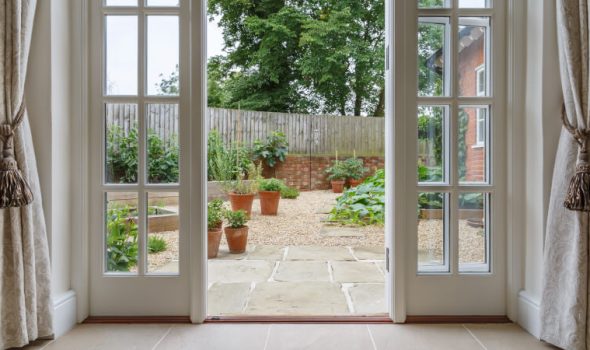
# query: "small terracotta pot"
{"type": "Point", "coordinates": [242, 202]}
{"type": "Point", "coordinates": [337, 186]}
{"type": "Point", "coordinates": [354, 182]}
{"type": "Point", "coordinates": [213, 239]}
{"type": "Point", "coordinates": [269, 202]}
{"type": "Point", "coordinates": [237, 239]}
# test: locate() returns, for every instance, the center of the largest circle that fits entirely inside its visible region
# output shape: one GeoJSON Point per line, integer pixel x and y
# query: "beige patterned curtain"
{"type": "Point", "coordinates": [25, 293]}
{"type": "Point", "coordinates": [564, 306]}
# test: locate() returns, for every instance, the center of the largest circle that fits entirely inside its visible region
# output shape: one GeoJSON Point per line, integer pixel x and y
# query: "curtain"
{"type": "Point", "coordinates": [25, 291]}
{"type": "Point", "coordinates": [564, 305]}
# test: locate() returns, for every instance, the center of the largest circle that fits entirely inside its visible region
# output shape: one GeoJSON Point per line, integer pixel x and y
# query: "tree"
{"type": "Point", "coordinates": [168, 85]}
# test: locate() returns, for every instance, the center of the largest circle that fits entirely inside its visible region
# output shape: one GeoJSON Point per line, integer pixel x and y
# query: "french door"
{"type": "Point", "coordinates": [139, 157]}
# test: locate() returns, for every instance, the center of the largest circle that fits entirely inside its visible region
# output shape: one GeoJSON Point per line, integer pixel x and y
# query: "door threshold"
{"type": "Point", "coordinates": [298, 319]}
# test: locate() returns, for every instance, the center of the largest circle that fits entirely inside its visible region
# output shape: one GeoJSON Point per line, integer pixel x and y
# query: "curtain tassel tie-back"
{"type": "Point", "coordinates": [577, 197]}
{"type": "Point", "coordinates": [14, 188]}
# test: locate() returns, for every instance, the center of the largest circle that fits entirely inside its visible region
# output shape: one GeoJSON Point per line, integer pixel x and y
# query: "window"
{"type": "Point", "coordinates": [480, 77]}
{"type": "Point", "coordinates": [480, 137]}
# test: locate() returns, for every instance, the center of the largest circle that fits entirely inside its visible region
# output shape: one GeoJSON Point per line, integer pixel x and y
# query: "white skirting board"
{"type": "Point", "coordinates": [64, 314]}
{"type": "Point", "coordinates": [529, 313]}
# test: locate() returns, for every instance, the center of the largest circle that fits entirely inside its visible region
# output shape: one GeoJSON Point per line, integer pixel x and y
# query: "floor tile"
{"type": "Point", "coordinates": [368, 299]}
{"type": "Point", "coordinates": [224, 254]}
{"type": "Point", "coordinates": [216, 337]}
{"type": "Point", "coordinates": [110, 337]}
{"type": "Point", "coordinates": [227, 298]}
{"type": "Point", "coordinates": [505, 336]}
{"type": "Point", "coordinates": [338, 231]}
{"type": "Point", "coordinates": [36, 345]}
{"type": "Point", "coordinates": [319, 253]}
{"type": "Point", "coordinates": [266, 252]}
{"type": "Point", "coordinates": [300, 271]}
{"type": "Point", "coordinates": [297, 299]}
{"type": "Point", "coordinates": [319, 337]}
{"type": "Point", "coordinates": [238, 271]}
{"type": "Point", "coordinates": [356, 272]}
{"type": "Point", "coordinates": [423, 337]}
{"type": "Point", "coordinates": [369, 253]}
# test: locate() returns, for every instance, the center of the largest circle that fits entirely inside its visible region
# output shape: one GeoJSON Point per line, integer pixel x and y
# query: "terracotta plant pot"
{"type": "Point", "coordinates": [354, 182]}
{"type": "Point", "coordinates": [213, 239]}
{"type": "Point", "coordinates": [337, 186]}
{"type": "Point", "coordinates": [242, 202]}
{"type": "Point", "coordinates": [269, 202]}
{"type": "Point", "coordinates": [237, 239]}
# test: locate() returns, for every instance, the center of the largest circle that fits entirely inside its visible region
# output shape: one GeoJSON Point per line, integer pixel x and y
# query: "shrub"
{"type": "Point", "coordinates": [364, 204]}
{"type": "Point", "coordinates": [156, 244]}
{"type": "Point", "coordinates": [236, 219]}
{"type": "Point", "coordinates": [246, 183]}
{"type": "Point", "coordinates": [162, 159]}
{"type": "Point", "coordinates": [214, 213]}
{"type": "Point", "coordinates": [289, 192]}
{"type": "Point", "coordinates": [274, 185]}
{"type": "Point", "coordinates": [121, 239]}
{"type": "Point", "coordinates": [274, 148]}
{"type": "Point", "coordinates": [355, 168]}
{"type": "Point", "coordinates": [337, 171]}
{"type": "Point", "coordinates": [223, 163]}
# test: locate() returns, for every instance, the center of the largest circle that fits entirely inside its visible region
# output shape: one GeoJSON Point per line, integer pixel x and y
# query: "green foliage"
{"type": "Point", "coordinates": [337, 171]}
{"type": "Point", "coordinates": [162, 159]}
{"type": "Point", "coordinates": [430, 200]}
{"type": "Point", "coordinates": [156, 244]}
{"type": "Point", "coordinates": [225, 163]}
{"type": "Point", "coordinates": [355, 168]}
{"type": "Point", "coordinates": [471, 201]}
{"type": "Point", "coordinates": [121, 239]}
{"type": "Point", "coordinates": [429, 174]}
{"type": "Point", "coordinates": [289, 192]}
{"type": "Point", "coordinates": [364, 204]}
{"type": "Point", "coordinates": [430, 41]}
{"type": "Point", "coordinates": [214, 213]}
{"type": "Point", "coordinates": [247, 182]}
{"type": "Point", "coordinates": [236, 219]}
{"type": "Point", "coordinates": [273, 149]}
{"type": "Point", "coordinates": [168, 86]}
{"type": "Point", "coordinates": [274, 185]}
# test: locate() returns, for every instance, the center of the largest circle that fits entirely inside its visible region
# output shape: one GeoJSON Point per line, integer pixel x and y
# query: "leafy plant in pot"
{"type": "Point", "coordinates": [242, 191]}
{"type": "Point", "coordinates": [356, 171]}
{"type": "Point", "coordinates": [269, 192]}
{"type": "Point", "coordinates": [271, 151]}
{"type": "Point", "coordinates": [236, 232]}
{"type": "Point", "coordinates": [214, 225]}
{"type": "Point", "coordinates": [337, 176]}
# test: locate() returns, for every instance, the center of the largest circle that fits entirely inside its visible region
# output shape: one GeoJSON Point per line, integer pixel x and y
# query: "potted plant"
{"type": "Point", "coordinates": [236, 232]}
{"type": "Point", "coordinates": [269, 192]}
{"type": "Point", "coordinates": [338, 175]}
{"type": "Point", "coordinates": [242, 191]}
{"type": "Point", "coordinates": [356, 171]}
{"type": "Point", "coordinates": [274, 149]}
{"type": "Point", "coordinates": [214, 225]}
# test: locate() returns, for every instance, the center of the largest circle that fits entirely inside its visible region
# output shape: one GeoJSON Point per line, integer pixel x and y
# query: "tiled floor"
{"type": "Point", "coordinates": [295, 336]}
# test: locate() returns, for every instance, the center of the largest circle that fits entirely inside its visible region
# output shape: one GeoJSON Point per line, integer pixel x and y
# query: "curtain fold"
{"type": "Point", "coordinates": [564, 304]}
{"type": "Point", "coordinates": [25, 273]}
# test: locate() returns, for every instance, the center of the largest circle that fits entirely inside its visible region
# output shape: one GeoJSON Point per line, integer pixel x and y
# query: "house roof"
{"type": "Point", "coordinates": [467, 36]}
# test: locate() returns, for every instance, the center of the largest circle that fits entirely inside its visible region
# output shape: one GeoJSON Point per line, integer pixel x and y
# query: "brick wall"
{"type": "Point", "coordinates": [309, 173]}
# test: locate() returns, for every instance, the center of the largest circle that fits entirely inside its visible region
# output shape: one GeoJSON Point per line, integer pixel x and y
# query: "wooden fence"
{"type": "Point", "coordinates": [306, 134]}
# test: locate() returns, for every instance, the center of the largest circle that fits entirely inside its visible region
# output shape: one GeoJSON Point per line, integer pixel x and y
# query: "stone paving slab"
{"type": "Point", "coordinates": [224, 254]}
{"type": "Point", "coordinates": [356, 272]}
{"type": "Point", "coordinates": [369, 253]}
{"type": "Point", "coordinates": [319, 253]}
{"type": "Point", "coordinates": [266, 252]}
{"type": "Point", "coordinates": [368, 299]}
{"type": "Point", "coordinates": [302, 271]}
{"type": "Point", "coordinates": [227, 298]}
{"type": "Point", "coordinates": [234, 271]}
{"type": "Point", "coordinates": [297, 299]}
{"type": "Point", "coordinates": [339, 231]}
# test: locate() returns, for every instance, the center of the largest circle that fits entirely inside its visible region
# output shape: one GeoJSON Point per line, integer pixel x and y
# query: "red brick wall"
{"type": "Point", "coordinates": [309, 173]}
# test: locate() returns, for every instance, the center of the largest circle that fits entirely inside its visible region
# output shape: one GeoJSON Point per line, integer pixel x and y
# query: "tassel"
{"type": "Point", "coordinates": [578, 193]}
{"type": "Point", "coordinates": [14, 189]}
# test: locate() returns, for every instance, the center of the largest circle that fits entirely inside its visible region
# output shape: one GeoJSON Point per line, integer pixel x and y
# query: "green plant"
{"type": "Point", "coordinates": [289, 192]}
{"type": "Point", "coordinates": [162, 158]}
{"type": "Point", "coordinates": [429, 174]}
{"type": "Point", "coordinates": [337, 171]}
{"type": "Point", "coordinates": [430, 200]}
{"type": "Point", "coordinates": [225, 163]}
{"type": "Point", "coordinates": [247, 182]}
{"type": "Point", "coordinates": [274, 185]}
{"type": "Point", "coordinates": [214, 213]}
{"type": "Point", "coordinates": [272, 150]}
{"type": "Point", "coordinates": [156, 244]}
{"type": "Point", "coordinates": [121, 239]}
{"type": "Point", "coordinates": [355, 168]}
{"type": "Point", "coordinates": [364, 204]}
{"type": "Point", "coordinates": [236, 219]}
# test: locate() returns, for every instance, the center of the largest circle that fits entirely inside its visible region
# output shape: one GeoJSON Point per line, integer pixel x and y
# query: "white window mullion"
{"type": "Point", "coordinates": [142, 154]}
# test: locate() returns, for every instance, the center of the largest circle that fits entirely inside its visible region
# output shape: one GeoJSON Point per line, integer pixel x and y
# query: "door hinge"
{"type": "Point", "coordinates": [387, 259]}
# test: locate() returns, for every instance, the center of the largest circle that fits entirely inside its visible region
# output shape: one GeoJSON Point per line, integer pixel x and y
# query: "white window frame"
{"type": "Point", "coordinates": [478, 76]}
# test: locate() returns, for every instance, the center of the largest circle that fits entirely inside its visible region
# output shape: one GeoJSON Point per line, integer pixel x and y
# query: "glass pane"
{"type": "Point", "coordinates": [121, 143]}
{"type": "Point", "coordinates": [432, 232]}
{"type": "Point", "coordinates": [162, 55]}
{"type": "Point", "coordinates": [121, 232]}
{"type": "Point", "coordinates": [473, 51]}
{"type": "Point", "coordinates": [433, 56]}
{"type": "Point", "coordinates": [163, 2]}
{"type": "Point", "coordinates": [474, 3]}
{"type": "Point", "coordinates": [433, 3]}
{"type": "Point", "coordinates": [121, 2]}
{"type": "Point", "coordinates": [431, 143]}
{"type": "Point", "coordinates": [162, 143]}
{"type": "Point", "coordinates": [473, 233]}
{"type": "Point", "coordinates": [163, 232]}
{"type": "Point", "coordinates": [121, 55]}
{"type": "Point", "coordinates": [472, 145]}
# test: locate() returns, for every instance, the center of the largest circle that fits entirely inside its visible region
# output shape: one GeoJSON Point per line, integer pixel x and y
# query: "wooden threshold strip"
{"type": "Point", "coordinates": [137, 319]}
{"type": "Point", "coordinates": [298, 319]}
